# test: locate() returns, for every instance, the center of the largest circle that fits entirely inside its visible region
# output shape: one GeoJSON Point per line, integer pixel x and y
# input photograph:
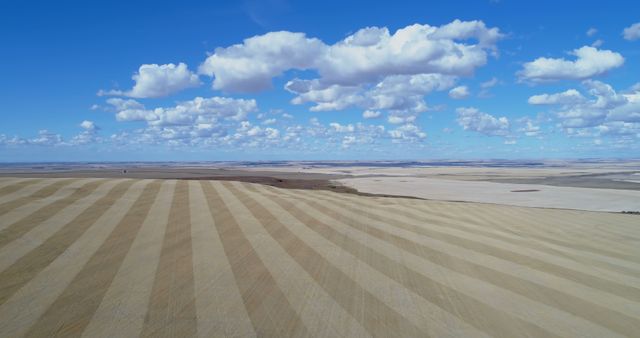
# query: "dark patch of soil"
{"type": "Point", "coordinates": [292, 183]}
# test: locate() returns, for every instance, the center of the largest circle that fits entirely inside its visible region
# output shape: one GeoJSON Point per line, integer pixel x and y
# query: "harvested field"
{"type": "Point", "coordinates": [177, 258]}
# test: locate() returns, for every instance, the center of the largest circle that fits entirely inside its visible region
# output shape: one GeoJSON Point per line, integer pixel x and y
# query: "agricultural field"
{"type": "Point", "coordinates": [113, 257]}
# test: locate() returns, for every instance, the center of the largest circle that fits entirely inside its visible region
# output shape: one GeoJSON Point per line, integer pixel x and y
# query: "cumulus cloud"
{"type": "Point", "coordinates": [397, 93]}
{"type": "Point", "coordinates": [326, 98]}
{"type": "Point", "coordinates": [123, 104]}
{"type": "Point", "coordinates": [371, 114]}
{"type": "Point", "coordinates": [335, 134]}
{"type": "Point", "coordinates": [254, 136]}
{"type": "Point", "coordinates": [342, 128]}
{"type": "Point", "coordinates": [591, 32]}
{"type": "Point", "coordinates": [88, 125]}
{"type": "Point", "coordinates": [200, 122]}
{"type": "Point", "coordinates": [367, 56]}
{"type": "Point", "coordinates": [401, 117]}
{"type": "Point", "coordinates": [460, 92]}
{"type": "Point", "coordinates": [602, 108]}
{"type": "Point", "coordinates": [373, 53]}
{"type": "Point", "coordinates": [46, 138]}
{"type": "Point", "coordinates": [372, 69]}
{"type": "Point", "coordinates": [472, 119]}
{"type": "Point", "coordinates": [187, 112]}
{"type": "Point", "coordinates": [88, 135]}
{"type": "Point", "coordinates": [407, 132]}
{"type": "Point", "coordinates": [153, 80]}
{"type": "Point", "coordinates": [566, 97]}
{"type": "Point", "coordinates": [632, 32]}
{"type": "Point", "coordinates": [11, 141]}
{"type": "Point", "coordinates": [349, 140]}
{"type": "Point", "coordinates": [589, 62]}
{"type": "Point", "coordinates": [529, 128]}
{"type": "Point", "coordinates": [405, 92]}
{"type": "Point", "coordinates": [250, 66]}
{"type": "Point", "coordinates": [619, 128]}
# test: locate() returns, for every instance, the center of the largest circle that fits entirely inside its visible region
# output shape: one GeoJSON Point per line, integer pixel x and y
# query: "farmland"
{"type": "Point", "coordinates": [143, 257]}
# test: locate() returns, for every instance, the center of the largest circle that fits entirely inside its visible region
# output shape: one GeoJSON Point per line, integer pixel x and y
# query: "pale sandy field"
{"type": "Point", "coordinates": [128, 257]}
{"type": "Point", "coordinates": [529, 195]}
{"type": "Point", "coordinates": [594, 187]}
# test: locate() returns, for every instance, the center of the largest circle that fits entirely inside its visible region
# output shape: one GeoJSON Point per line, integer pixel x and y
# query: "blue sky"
{"type": "Point", "coordinates": [265, 80]}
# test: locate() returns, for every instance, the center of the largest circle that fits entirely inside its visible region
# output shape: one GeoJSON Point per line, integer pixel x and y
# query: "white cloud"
{"type": "Point", "coordinates": [248, 133]}
{"type": "Point", "coordinates": [529, 128]}
{"type": "Point", "coordinates": [394, 93]}
{"type": "Point", "coordinates": [46, 138]}
{"type": "Point", "coordinates": [88, 135]}
{"type": "Point", "coordinates": [200, 123]}
{"type": "Point", "coordinates": [486, 85]}
{"type": "Point", "coordinates": [489, 83]}
{"type": "Point", "coordinates": [407, 132]}
{"type": "Point", "coordinates": [154, 80]}
{"type": "Point", "coordinates": [605, 109]}
{"type": "Point", "coordinates": [124, 104]}
{"type": "Point", "coordinates": [405, 93]}
{"type": "Point", "coordinates": [348, 141]}
{"type": "Point", "coordinates": [11, 141]}
{"type": "Point", "coordinates": [598, 43]}
{"type": "Point", "coordinates": [250, 66]}
{"type": "Point", "coordinates": [88, 125]}
{"type": "Point", "coordinates": [474, 120]}
{"type": "Point", "coordinates": [589, 62]}
{"type": "Point", "coordinates": [336, 134]}
{"type": "Point", "coordinates": [189, 112]}
{"type": "Point", "coordinates": [632, 32]}
{"type": "Point", "coordinates": [401, 118]}
{"type": "Point", "coordinates": [617, 128]}
{"type": "Point", "coordinates": [362, 135]}
{"type": "Point", "coordinates": [135, 115]}
{"type": "Point", "coordinates": [349, 128]}
{"type": "Point", "coordinates": [334, 97]}
{"type": "Point", "coordinates": [371, 114]}
{"type": "Point", "coordinates": [566, 97]}
{"type": "Point", "coordinates": [373, 53]}
{"type": "Point", "coordinates": [459, 92]}
{"type": "Point", "coordinates": [372, 69]}
{"type": "Point", "coordinates": [234, 134]}
{"type": "Point", "coordinates": [591, 32]}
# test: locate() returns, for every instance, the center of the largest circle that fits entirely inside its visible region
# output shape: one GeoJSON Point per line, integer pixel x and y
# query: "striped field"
{"type": "Point", "coordinates": [175, 258]}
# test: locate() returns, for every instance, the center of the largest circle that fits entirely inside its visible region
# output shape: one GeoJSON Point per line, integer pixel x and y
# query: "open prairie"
{"type": "Point", "coordinates": [142, 257]}
{"type": "Point", "coordinates": [581, 185]}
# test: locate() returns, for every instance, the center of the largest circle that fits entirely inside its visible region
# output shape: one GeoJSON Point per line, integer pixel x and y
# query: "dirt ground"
{"type": "Point", "coordinates": [183, 258]}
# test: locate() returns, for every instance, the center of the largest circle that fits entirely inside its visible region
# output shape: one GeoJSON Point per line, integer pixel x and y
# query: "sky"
{"type": "Point", "coordinates": [318, 80]}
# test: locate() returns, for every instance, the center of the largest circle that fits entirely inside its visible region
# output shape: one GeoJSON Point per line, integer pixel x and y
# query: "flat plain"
{"type": "Point", "coordinates": [122, 257]}
{"type": "Point", "coordinates": [581, 185]}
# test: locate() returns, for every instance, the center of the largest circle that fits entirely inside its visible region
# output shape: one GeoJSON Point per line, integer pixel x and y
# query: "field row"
{"type": "Point", "coordinates": [126, 258]}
